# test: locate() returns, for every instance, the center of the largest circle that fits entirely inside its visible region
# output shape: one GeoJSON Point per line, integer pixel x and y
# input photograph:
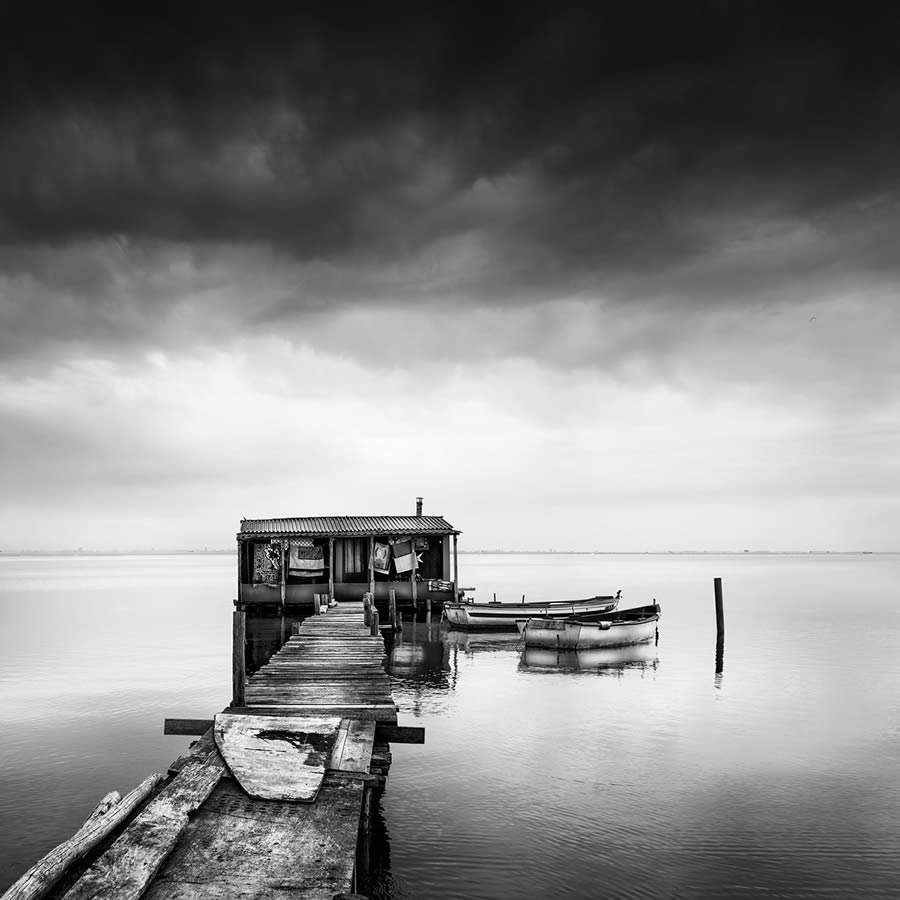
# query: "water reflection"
{"type": "Point", "coordinates": [605, 660]}
{"type": "Point", "coordinates": [474, 642]}
{"type": "Point", "coordinates": [419, 664]}
{"type": "Point", "coordinates": [788, 789]}
{"type": "Point", "coordinates": [267, 630]}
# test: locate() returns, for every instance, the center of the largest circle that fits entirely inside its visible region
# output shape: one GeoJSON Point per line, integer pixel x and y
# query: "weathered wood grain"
{"type": "Point", "coordinates": [199, 751]}
{"type": "Point", "coordinates": [238, 656]}
{"type": "Point", "coordinates": [238, 846]}
{"type": "Point", "coordinates": [108, 815]}
{"type": "Point", "coordinates": [356, 752]}
{"type": "Point", "coordinates": [205, 836]}
{"type": "Point", "coordinates": [277, 758]}
{"type": "Point", "coordinates": [338, 749]}
{"type": "Point", "coordinates": [332, 666]}
{"type": "Point", "coordinates": [127, 867]}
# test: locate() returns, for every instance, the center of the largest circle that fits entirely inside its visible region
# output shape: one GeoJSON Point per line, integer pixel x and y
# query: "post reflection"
{"type": "Point", "coordinates": [419, 664]}
{"type": "Point", "coordinates": [720, 660]}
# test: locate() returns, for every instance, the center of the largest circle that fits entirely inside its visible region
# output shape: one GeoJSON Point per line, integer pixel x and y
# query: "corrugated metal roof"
{"type": "Point", "coordinates": [349, 526]}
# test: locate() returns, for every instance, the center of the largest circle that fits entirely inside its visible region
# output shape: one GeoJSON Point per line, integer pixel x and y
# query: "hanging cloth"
{"type": "Point", "coordinates": [266, 564]}
{"type": "Point", "coordinates": [381, 561]}
{"type": "Point", "coordinates": [403, 555]}
{"type": "Point", "coordinates": [306, 559]}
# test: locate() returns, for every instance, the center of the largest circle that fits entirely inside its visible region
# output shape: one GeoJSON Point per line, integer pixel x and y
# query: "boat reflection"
{"type": "Point", "coordinates": [637, 656]}
{"type": "Point", "coordinates": [474, 642]}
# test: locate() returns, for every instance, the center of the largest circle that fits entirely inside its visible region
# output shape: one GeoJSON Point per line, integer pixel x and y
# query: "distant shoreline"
{"type": "Point", "coordinates": [10, 554]}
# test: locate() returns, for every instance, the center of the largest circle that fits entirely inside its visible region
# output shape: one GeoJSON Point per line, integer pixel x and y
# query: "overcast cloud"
{"type": "Point", "coordinates": [619, 280]}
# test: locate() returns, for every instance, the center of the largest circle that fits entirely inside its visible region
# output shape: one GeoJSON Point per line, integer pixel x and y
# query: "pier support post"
{"type": "Point", "coordinates": [375, 632]}
{"type": "Point", "coordinates": [364, 845]}
{"type": "Point", "coordinates": [330, 570]}
{"type": "Point", "coordinates": [238, 654]}
{"type": "Point", "coordinates": [283, 580]}
{"type": "Point", "coordinates": [392, 609]}
{"type": "Point", "coordinates": [720, 613]}
{"type": "Point", "coordinates": [367, 609]}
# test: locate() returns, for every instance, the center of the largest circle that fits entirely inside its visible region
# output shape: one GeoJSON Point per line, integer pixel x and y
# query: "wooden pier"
{"type": "Point", "coordinates": [274, 800]}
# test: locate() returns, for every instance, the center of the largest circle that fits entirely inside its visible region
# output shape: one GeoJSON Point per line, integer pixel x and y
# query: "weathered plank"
{"type": "Point", "coordinates": [400, 734]}
{"type": "Point", "coordinates": [187, 726]}
{"type": "Point", "coordinates": [127, 867]}
{"type": "Point", "coordinates": [276, 758]}
{"type": "Point", "coordinates": [241, 847]}
{"type": "Point", "coordinates": [338, 749]}
{"type": "Point", "coordinates": [199, 751]}
{"type": "Point", "coordinates": [356, 752]}
{"type": "Point", "coordinates": [365, 711]}
{"type": "Point", "coordinates": [238, 657]}
{"type": "Point", "coordinates": [108, 815]}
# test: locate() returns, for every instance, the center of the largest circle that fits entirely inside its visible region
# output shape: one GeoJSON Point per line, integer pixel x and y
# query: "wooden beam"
{"type": "Point", "coordinates": [372, 565]}
{"type": "Point", "coordinates": [124, 871]}
{"type": "Point", "coordinates": [283, 578]}
{"type": "Point", "coordinates": [187, 726]}
{"type": "Point", "coordinates": [455, 569]}
{"type": "Point", "coordinates": [240, 568]}
{"type": "Point", "coordinates": [399, 734]}
{"type": "Point", "coordinates": [109, 815]}
{"type": "Point", "coordinates": [238, 656]}
{"type": "Point", "coordinates": [330, 569]}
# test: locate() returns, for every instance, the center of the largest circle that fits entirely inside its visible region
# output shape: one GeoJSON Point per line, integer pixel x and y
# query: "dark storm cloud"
{"type": "Point", "coordinates": [732, 150]}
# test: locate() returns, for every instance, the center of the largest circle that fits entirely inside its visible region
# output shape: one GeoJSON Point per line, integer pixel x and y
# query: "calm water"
{"type": "Point", "coordinates": [641, 774]}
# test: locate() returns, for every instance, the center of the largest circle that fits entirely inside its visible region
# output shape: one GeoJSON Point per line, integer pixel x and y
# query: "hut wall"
{"type": "Point", "coordinates": [447, 551]}
{"type": "Point", "coordinates": [437, 565]}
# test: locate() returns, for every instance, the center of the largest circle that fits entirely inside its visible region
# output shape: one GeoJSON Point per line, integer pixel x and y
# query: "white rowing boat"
{"type": "Point", "coordinates": [617, 629]}
{"type": "Point", "coordinates": [469, 614]}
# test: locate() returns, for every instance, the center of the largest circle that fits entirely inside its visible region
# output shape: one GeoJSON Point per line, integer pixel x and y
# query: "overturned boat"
{"type": "Point", "coordinates": [616, 629]}
{"type": "Point", "coordinates": [469, 614]}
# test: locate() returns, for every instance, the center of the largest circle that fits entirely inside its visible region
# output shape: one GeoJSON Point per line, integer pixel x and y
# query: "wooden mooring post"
{"type": "Point", "coordinates": [374, 624]}
{"type": "Point", "coordinates": [720, 613]}
{"type": "Point", "coordinates": [238, 654]}
{"type": "Point", "coordinates": [392, 609]}
{"type": "Point", "coordinates": [720, 629]}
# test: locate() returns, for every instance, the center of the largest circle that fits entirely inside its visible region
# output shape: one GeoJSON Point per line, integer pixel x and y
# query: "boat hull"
{"type": "Point", "coordinates": [463, 614]}
{"type": "Point", "coordinates": [570, 634]}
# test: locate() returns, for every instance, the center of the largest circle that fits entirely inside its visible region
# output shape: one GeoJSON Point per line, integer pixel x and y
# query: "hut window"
{"type": "Point", "coordinates": [353, 556]}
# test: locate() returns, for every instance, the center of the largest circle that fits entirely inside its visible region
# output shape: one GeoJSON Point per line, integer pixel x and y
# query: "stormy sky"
{"type": "Point", "coordinates": [617, 280]}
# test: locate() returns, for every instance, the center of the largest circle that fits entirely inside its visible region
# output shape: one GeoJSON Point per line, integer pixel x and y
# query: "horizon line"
{"type": "Point", "coordinates": [193, 551]}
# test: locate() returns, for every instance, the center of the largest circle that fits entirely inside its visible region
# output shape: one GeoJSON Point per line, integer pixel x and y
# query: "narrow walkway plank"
{"type": "Point", "coordinates": [112, 811]}
{"type": "Point", "coordinates": [251, 849]}
{"type": "Point", "coordinates": [128, 866]}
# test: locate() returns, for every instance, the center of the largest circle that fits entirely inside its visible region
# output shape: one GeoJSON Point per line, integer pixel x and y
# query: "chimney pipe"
{"type": "Point", "coordinates": [418, 506]}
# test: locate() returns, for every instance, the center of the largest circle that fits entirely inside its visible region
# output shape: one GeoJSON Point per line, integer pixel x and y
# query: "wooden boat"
{"type": "Point", "coordinates": [469, 614]}
{"type": "Point", "coordinates": [617, 629]}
